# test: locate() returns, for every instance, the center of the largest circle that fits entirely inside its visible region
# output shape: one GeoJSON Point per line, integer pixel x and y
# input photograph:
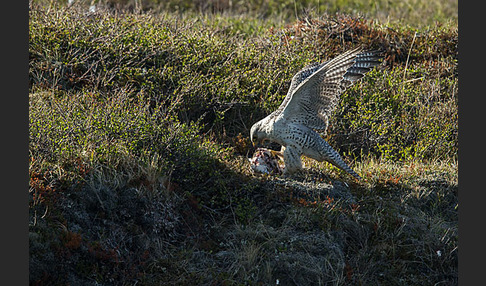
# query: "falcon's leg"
{"type": "Point", "coordinates": [292, 159]}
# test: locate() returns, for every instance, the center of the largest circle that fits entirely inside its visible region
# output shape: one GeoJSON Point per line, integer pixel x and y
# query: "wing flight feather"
{"type": "Point", "coordinates": [314, 91]}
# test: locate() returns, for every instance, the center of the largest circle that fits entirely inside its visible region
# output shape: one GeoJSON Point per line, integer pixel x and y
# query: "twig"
{"type": "Point", "coordinates": [408, 57]}
{"type": "Point", "coordinates": [414, 79]}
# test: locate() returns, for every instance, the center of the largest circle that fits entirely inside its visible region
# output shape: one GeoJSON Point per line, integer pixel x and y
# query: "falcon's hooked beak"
{"type": "Point", "coordinates": [254, 137]}
{"type": "Point", "coordinates": [257, 142]}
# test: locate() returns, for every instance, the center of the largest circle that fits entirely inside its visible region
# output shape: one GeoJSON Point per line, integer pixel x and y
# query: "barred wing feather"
{"type": "Point", "coordinates": [314, 91]}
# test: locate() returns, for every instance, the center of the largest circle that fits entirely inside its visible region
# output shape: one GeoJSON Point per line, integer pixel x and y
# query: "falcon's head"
{"type": "Point", "coordinates": [256, 136]}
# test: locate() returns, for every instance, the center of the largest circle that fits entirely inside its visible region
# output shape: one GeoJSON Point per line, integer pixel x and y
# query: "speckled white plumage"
{"type": "Point", "coordinates": [313, 94]}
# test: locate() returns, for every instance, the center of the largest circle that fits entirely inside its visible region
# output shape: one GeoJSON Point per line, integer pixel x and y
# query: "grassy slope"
{"type": "Point", "coordinates": [138, 128]}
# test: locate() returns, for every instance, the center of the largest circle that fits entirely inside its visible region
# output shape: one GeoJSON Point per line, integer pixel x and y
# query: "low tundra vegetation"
{"type": "Point", "coordinates": [139, 124]}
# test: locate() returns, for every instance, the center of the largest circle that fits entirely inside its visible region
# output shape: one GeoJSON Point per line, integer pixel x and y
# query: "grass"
{"type": "Point", "coordinates": [139, 126]}
{"type": "Point", "coordinates": [417, 13]}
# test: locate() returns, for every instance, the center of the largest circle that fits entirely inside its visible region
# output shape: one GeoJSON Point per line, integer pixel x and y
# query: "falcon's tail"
{"type": "Point", "coordinates": [333, 157]}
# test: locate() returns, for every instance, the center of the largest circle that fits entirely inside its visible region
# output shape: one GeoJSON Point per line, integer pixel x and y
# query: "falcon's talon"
{"type": "Point", "coordinates": [277, 154]}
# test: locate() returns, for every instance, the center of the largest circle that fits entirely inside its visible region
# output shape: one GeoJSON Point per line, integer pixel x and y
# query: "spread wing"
{"type": "Point", "coordinates": [296, 80]}
{"type": "Point", "coordinates": [314, 91]}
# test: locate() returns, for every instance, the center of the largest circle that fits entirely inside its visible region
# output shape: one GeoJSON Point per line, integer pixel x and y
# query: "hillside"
{"type": "Point", "coordinates": [139, 123]}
